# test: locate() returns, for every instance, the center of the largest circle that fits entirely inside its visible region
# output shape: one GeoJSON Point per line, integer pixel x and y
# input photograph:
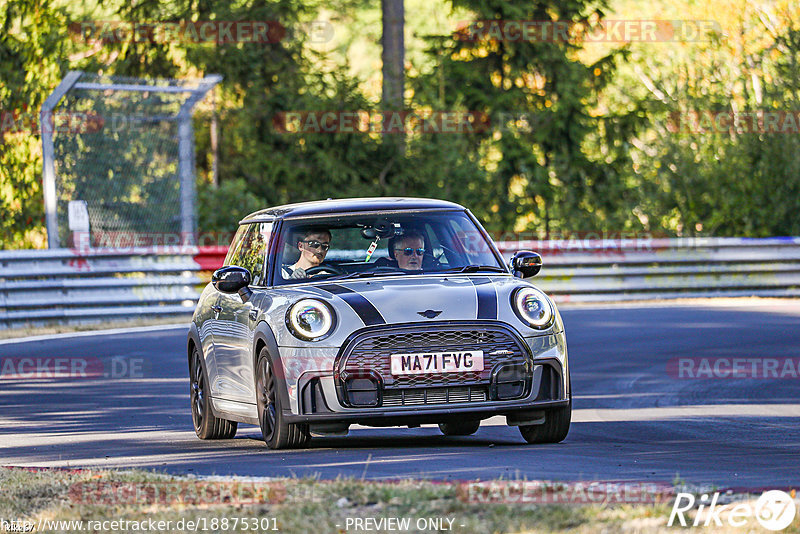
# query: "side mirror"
{"type": "Point", "coordinates": [525, 263]}
{"type": "Point", "coordinates": [232, 279]}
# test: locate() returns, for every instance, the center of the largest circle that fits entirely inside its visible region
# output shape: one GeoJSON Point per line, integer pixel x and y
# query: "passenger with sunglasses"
{"type": "Point", "coordinates": [408, 250]}
{"type": "Point", "coordinates": [313, 246]}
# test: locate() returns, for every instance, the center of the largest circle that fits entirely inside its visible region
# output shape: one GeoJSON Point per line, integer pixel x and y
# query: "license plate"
{"type": "Point", "coordinates": [423, 363]}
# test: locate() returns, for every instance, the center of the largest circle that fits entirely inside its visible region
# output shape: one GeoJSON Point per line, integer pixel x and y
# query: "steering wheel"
{"type": "Point", "coordinates": [333, 269]}
{"type": "Point", "coordinates": [433, 263]}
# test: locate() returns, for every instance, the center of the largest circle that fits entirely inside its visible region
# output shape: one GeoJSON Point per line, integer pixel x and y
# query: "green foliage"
{"type": "Point", "coordinates": [696, 180]}
{"type": "Point", "coordinates": [579, 139]}
{"type": "Point", "coordinates": [544, 174]}
{"type": "Point", "coordinates": [33, 45]}
{"type": "Point", "coordinates": [219, 209]}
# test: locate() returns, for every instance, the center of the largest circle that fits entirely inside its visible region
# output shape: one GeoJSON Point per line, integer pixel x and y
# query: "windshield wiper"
{"type": "Point", "coordinates": [474, 269]}
{"type": "Point", "coordinates": [464, 269]}
{"type": "Point", "coordinates": [364, 274]}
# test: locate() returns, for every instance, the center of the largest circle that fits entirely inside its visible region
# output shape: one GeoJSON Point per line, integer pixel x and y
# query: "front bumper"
{"type": "Point", "coordinates": [317, 393]}
{"type": "Point", "coordinates": [319, 404]}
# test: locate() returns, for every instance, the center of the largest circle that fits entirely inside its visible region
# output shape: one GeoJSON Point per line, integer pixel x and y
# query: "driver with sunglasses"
{"type": "Point", "coordinates": [313, 246]}
{"type": "Point", "coordinates": [408, 250]}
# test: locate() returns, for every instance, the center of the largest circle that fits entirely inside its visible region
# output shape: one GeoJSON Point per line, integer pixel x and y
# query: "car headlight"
{"type": "Point", "coordinates": [532, 307]}
{"type": "Point", "coordinates": [310, 319]}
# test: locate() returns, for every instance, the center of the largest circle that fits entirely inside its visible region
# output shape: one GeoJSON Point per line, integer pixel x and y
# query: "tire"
{"type": "Point", "coordinates": [277, 433]}
{"type": "Point", "coordinates": [206, 425]}
{"type": "Point", "coordinates": [461, 428]}
{"type": "Point", "coordinates": [554, 429]}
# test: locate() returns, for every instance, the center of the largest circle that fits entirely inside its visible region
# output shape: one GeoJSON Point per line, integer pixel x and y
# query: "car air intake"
{"type": "Point", "coordinates": [362, 391]}
{"type": "Point", "coordinates": [509, 382]}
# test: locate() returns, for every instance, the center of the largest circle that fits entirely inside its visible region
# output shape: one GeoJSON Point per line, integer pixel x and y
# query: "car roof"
{"type": "Point", "coordinates": [349, 205]}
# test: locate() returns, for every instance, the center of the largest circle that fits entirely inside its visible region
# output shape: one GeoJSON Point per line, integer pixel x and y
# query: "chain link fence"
{"type": "Point", "coordinates": [119, 155]}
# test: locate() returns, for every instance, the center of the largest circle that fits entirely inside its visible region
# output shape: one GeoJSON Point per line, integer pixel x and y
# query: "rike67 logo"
{"type": "Point", "coordinates": [774, 510]}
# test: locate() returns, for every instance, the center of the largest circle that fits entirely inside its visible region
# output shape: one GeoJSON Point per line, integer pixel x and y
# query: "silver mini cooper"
{"type": "Point", "coordinates": [379, 312]}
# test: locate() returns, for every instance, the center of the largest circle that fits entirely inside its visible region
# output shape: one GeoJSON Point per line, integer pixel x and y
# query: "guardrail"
{"type": "Point", "coordinates": [639, 269]}
{"type": "Point", "coordinates": [66, 285]}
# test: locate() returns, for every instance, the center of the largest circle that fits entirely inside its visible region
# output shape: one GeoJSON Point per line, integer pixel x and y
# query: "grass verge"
{"type": "Point", "coordinates": [289, 505]}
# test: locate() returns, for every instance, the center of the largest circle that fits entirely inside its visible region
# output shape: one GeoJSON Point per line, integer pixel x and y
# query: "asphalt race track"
{"type": "Point", "coordinates": [632, 419]}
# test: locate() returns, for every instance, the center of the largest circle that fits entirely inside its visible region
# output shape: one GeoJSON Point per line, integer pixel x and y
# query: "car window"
{"type": "Point", "coordinates": [385, 244]}
{"type": "Point", "coordinates": [249, 250]}
{"type": "Point", "coordinates": [468, 240]}
{"type": "Point", "coordinates": [236, 244]}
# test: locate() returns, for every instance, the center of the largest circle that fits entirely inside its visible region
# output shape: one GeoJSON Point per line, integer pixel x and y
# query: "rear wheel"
{"type": "Point", "coordinates": [278, 434]}
{"type": "Point", "coordinates": [206, 426]}
{"type": "Point", "coordinates": [460, 428]}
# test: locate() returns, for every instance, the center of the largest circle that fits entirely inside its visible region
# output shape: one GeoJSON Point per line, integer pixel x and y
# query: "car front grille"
{"type": "Point", "coordinates": [426, 396]}
{"type": "Point", "coordinates": [371, 352]}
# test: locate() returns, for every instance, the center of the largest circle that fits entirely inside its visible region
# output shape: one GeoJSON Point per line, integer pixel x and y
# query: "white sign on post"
{"type": "Point", "coordinates": [78, 216]}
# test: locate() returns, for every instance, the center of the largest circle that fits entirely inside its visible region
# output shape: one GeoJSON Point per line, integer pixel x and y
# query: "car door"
{"type": "Point", "coordinates": [215, 332]}
{"type": "Point", "coordinates": [233, 331]}
{"type": "Point", "coordinates": [205, 318]}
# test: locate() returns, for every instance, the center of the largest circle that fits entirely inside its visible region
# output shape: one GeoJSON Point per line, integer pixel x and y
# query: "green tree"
{"type": "Point", "coordinates": [549, 162]}
{"type": "Point", "coordinates": [697, 179]}
{"type": "Point", "coordinates": [33, 51]}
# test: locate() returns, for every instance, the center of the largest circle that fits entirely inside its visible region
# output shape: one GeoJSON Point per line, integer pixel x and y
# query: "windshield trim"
{"type": "Point", "coordinates": [278, 228]}
{"type": "Point", "coordinates": [369, 212]}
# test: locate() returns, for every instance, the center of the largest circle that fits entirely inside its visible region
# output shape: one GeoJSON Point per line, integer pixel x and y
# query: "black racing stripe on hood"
{"type": "Point", "coordinates": [487, 298]}
{"type": "Point", "coordinates": [364, 308]}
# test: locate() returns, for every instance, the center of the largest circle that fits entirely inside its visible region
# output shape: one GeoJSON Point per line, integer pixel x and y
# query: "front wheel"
{"type": "Point", "coordinates": [461, 428]}
{"type": "Point", "coordinates": [278, 434]}
{"type": "Point", "coordinates": [206, 425]}
{"type": "Point", "coordinates": [554, 429]}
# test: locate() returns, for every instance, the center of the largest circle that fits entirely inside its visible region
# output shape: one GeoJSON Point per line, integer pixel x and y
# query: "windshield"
{"type": "Point", "coordinates": [361, 246]}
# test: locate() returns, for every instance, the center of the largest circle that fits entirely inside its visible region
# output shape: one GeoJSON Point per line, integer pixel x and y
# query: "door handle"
{"type": "Point", "coordinates": [216, 309]}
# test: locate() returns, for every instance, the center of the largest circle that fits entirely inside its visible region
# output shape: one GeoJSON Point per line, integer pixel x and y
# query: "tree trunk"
{"type": "Point", "coordinates": [393, 57]}
{"type": "Point", "coordinates": [214, 140]}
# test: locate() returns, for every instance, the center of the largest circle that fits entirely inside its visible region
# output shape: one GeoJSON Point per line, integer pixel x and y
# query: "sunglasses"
{"type": "Point", "coordinates": [408, 251]}
{"type": "Point", "coordinates": [316, 245]}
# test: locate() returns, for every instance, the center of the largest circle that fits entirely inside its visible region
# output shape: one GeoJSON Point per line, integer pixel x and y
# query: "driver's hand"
{"type": "Point", "coordinates": [298, 273]}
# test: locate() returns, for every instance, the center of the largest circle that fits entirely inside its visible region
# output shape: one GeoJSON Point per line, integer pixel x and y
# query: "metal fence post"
{"type": "Point", "coordinates": [186, 158]}
{"type": "Point", "coordinates": [46, 125]}
{"type": "Point", "coordinates": [187, 179]}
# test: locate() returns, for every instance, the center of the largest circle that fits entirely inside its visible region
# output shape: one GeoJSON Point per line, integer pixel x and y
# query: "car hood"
{"type": "Point", "coordinates": [407, 299]}
{"type": "Point", "coordinates": [420, 299]}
